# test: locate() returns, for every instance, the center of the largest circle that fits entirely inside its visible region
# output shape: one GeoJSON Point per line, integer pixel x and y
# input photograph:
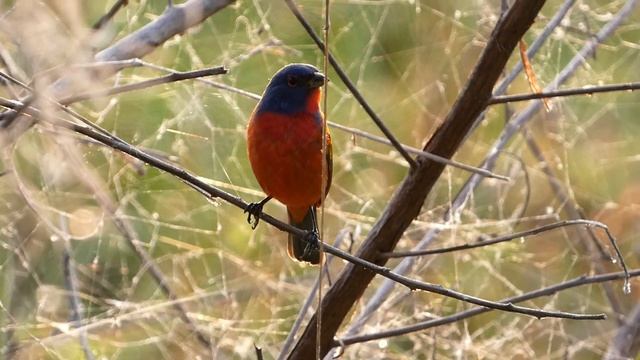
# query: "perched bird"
{"type": "Point", "coordinates": [284, 141]}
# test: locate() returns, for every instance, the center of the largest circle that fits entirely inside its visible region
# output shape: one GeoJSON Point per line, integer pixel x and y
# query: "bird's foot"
{"type": "Point", "coordinates": [312, 246]}
{"type": "Point", "coordinates": [254, 211]}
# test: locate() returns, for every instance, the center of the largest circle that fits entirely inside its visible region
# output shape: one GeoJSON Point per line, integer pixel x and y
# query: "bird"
{"type": "Point", "coordinates": [284, 145]}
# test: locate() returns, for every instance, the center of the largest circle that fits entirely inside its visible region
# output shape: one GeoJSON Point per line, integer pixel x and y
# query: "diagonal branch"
{"type": "Point", "coordinates": [213, 192]}
{"type": "Point", "coordinates": [173, 77]}
{"type": "Point", "coordinates": [90, 179]}
{"type": "Point", "coordinates": [345, 79]}
{"type": "Point", "coordinates": [362, 264]}
{"type": "Point", "coordinates": [510, 130]}
{"type": "Point", "coordinates": [407, 201]}
{"type": "Point", "coordinates": [104, 19]}
{"type": "Point", "coordinates": [175, 20]}
{"type": "Point", "coordinates": [547, 291]}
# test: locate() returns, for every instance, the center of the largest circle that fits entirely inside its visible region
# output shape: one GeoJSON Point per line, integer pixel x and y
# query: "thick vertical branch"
{"type": "Point", "coordinates": [405, 204]}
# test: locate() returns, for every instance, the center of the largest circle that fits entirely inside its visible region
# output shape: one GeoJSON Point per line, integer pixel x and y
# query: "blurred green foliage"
{"type": "Point", "coordinates": [410, 59]}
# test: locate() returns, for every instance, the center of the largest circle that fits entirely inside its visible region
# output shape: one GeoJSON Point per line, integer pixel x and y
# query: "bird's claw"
{"type": "Point", "coordinates": [253, 211]}
{"type": "Point", "coordinates": [313, 243]}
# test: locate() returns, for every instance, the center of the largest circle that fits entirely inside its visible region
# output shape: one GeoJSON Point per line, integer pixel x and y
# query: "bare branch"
{"type": "Point", "coordinates": [110, 14]}
{"type": "Point", "coordinates": [573, 211]}
{"type": "Point", "coordinates": [521, 234]}
{"type": "Point", "coordinates": [550, 290]}
{"type": "Point", "coordinates": [586, 90]}
{"type": "Point", "coordinates": [419, 152]}
{"type": "Point", "coordinates": [173, 77]}
{"type": "Point", "coordinates": [175, 20]}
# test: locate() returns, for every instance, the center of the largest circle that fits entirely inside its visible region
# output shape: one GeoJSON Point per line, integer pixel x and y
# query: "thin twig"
{"type": "Point", "coordinates": [110, 14]}
{"type": "Point", "coordinates": [71, 284]}
{"type": "Point", "coordinates": [428, 155]}
{"type": "Point", "coordinates": [258, 350]}
{"type": "Point", "coordinates": [521, 234]}
{"type": "Point", "coordinates": [74, 300]}
{"type": "Point", "coordinates": [325, 170]}
{"type": "Point", "coordinates": [547, 291]}
{"type": "Point", "coordinates": [349, 84]}
{"type": "Point", "coordinates": [586, 90]}
{"type": "Point", "coordinates": [95, 68]}
{"type": "Point", "coordinates": [173, 77]}
{"type": "Point", "coordinates": [307, 303]}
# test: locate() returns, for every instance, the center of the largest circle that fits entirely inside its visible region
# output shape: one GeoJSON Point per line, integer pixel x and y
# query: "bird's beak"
{"type": "Point", "coordinates": [316, 80]}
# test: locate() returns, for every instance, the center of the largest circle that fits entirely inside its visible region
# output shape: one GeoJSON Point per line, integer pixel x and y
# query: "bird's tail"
{"type": "Point", "coordinates": [299, 248]}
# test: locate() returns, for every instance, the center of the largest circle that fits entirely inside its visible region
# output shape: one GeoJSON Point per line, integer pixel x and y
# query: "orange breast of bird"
{"type": "Point", "coordinates": [285, 152]}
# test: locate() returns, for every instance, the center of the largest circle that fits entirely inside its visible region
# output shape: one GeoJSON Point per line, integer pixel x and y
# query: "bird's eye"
{"type": "Point", "coordinates": [292, 81]}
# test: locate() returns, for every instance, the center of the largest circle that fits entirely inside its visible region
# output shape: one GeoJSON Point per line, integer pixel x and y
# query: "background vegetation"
{"type": "Point", "coordinates": [410, 59]}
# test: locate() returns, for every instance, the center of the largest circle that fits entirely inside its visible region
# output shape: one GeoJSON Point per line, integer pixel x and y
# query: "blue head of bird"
{"type": "Point", "coordinates": [291, 89]}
